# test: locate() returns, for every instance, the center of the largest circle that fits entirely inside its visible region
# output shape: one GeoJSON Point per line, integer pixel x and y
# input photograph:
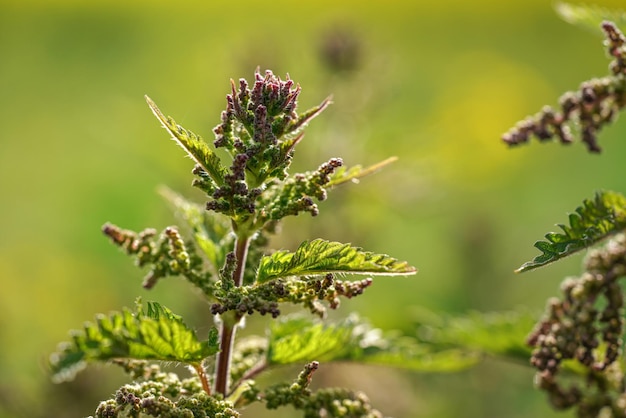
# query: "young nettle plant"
{"type": "Point", "coordinates": [227, 259]}
{"type": "Point", "coordinates": [578, 344]}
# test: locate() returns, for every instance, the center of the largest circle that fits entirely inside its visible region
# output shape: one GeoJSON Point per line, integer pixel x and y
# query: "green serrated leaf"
{"type": "Point", "coordinates": [595, 220]}
{"type": "Point", "coordinates": [353, 174]}
{"type": "Point", "coordinates": [590, 17]}
{"type": "Point", "coordinates": [153, 334]}
{"type": "Point", "coordinates": [298, 339]}
{"type": "Point", "coordinates": [319, 257]}
{"type": "Point", "coordinates": [193, 144]}
{"type": "Point", "coordinates": [301, 339]}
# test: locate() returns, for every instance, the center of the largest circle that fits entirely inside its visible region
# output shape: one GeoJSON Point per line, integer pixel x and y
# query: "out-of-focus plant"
{"type": "Point", "coordinates": [578, 345]}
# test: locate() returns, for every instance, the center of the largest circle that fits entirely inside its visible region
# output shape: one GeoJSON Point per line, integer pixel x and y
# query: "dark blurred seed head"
{"type": "Point", "coordinates": [340, 51]}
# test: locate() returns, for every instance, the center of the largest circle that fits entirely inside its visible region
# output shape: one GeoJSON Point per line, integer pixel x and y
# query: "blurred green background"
{"type": "Point", "coordinates": [435, 83]}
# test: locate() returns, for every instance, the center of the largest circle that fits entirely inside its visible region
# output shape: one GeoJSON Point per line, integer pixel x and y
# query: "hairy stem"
{"type": "Point", "coordinates": [203, 378]}
{"type": "Point", "coordinates": [229, 327]}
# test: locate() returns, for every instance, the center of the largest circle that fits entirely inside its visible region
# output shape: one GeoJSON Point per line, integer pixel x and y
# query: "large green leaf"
{"type": "Point", "coordinates": [320, 257]}
{"type": "Point", "coordinates": [300, 339]}
{"type": "Point", "coordinates": [593, 221]}
{"type": "Point", "coordinates": [193, 144]}
{"type": "Point", "coordinates": [155, 334]}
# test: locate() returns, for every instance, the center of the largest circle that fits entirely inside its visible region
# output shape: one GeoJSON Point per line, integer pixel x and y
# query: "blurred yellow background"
{"type": "Point", "coordinates": [435, 83]}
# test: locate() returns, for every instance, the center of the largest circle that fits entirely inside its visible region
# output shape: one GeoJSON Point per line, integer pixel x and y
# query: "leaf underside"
{"type": "Point", "coordinates": [319, 257]}
{"type": "Point", "coordinates": [595, 220]}
{"type": "Point", "coordinates": [155, 334]}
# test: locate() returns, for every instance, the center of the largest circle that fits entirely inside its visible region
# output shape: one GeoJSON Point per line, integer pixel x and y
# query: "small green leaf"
{"type": "Point", "coordinates": [299, 339]}
{"type": "Point", "coordinates": [155, 334]}
{"type": "Point", "coordinates": [303, 119]}
{"type": "Point", "coordinates": [193, 144]}
{"type": "Point", "coordinates": [590, 17]}
{"type": "Point", "coordinates": [595, 220]}
{"type": "Point", "coordinates": [353, 174]}
{"type": "Point", "coordinates": [320, 257]}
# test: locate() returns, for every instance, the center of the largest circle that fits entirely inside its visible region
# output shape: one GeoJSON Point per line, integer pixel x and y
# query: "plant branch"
{"type": "Point", "coordinates": [228, 328]}
{"type": "Point", "coordinates": [252, 372]}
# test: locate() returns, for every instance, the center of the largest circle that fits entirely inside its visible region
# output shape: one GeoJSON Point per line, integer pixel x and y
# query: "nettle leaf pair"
{"type": "Point", "coordinates": [227, 259]}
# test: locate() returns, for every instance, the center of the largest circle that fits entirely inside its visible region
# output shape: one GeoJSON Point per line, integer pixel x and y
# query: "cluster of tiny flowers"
{"type": "Point", "coordinates": [593, 106]}
{"type": "Point", "coordinates": [291, 394]}
{"type": "Point", "coordinates": [264, 298]}
{"type": "Point", "coordinates": [295, 194]}
{"type": "Point", "coordinates": [137, 244]}
{"type": "Point", "coordinates": [328, 402]}
{"type": "Point", "coordinates": [167, 254]}
{"type": "Point", "coordinates": [242, 301]}
{"type": "Point", "coordinates": [234, 196]}
{"type": "Point", "coordinates": [245, 299]}
{"type": "Point", "coordinates": [311, 292]}
{"type": "Point", "coordinates": [581, 328]}
{"type": "Point", "coordinates": [268, 107]}
{"type": "Point", "coordinates": [337, 402]}
{"type": "Point", "coordinates": [616, 46]}
{"type": "Point", "coordinates": [252, 130]}
{"type": "Point", "coordinates": [259, 129]}
{"type": "Point", "coordinates": [155, 395]}
{"type": "Point", "coordinates": [352, 289]}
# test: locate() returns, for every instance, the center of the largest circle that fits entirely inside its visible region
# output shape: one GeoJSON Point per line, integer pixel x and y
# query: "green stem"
{"type": "Point", "coordinates": [229, 324]}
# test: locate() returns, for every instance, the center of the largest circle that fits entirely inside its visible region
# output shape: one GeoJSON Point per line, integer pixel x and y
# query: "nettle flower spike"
{"type": "Point", "coordinates": [166, 254]}
{"type": "Point", "coordinates": [226, 256]}
{"type": "Point", "coordinates": [260, 130]}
